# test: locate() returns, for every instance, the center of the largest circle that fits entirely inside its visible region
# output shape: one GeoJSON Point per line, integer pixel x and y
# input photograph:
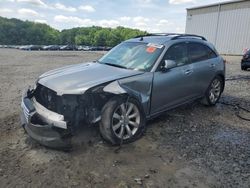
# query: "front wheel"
{"type": "Point", "coordinates": [213, 92]}
{"type": "Point", "coordinates": [122, 121]}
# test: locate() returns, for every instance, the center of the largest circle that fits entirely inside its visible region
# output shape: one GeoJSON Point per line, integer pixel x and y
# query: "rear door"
{"type": "Point", "coordinates": [204, 62]}
{"type": "Point", "coordinates": [175, 85]}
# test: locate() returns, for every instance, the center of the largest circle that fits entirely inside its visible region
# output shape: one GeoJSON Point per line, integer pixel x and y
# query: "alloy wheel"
{"type": "Point", "coordinates": [215, 90]}
{"type": "Point", "coordinates": [126, 120]}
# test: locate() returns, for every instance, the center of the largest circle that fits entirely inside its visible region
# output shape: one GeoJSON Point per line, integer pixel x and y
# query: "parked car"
{"type": "Point", "coordinates": [92, 48]}
{"type": "Point", "coordinates": [135, 81]}
{"type": "Point", "coordinates": [5, 46]}
{"type": "Point", "coordinates": [79, 48]}
{"type": "Point", "coordinates": [83, 48]}
{"type": "Point", "coordinates": [51, 47]}
{"type": "Point", "coordinates": [86, 48]}
{"type": "Point", "coordinates": [68, 47]}
{"type": "Point", "coordinates": [98, 48]}
{"type": "Point", "coordinates": [30, 47]}
{"type": "Point", "coordinates": [245, 62]}
{"type": "Point", "coordinates": [108, 48]}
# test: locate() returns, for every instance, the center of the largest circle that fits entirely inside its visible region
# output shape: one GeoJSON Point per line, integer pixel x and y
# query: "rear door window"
{"type": "Point", "coordinates": [199, 52]}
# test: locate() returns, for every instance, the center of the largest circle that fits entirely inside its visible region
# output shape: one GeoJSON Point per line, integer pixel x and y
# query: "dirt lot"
{"type": "Point", "coordinates": [192, 146]}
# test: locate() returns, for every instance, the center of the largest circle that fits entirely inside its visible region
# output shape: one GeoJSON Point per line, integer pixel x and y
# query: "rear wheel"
{"type": "Point", "coordinates": [213, 92]}
{"type": "Point", "coordinates": [122, 121]}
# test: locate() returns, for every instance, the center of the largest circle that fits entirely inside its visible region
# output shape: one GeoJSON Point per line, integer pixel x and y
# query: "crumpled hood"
{"type": "Point", "coordinates": [76, 79]}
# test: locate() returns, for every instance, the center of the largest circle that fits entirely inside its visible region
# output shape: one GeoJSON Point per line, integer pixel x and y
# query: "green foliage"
{"type": "Point", "coordinates": [98, 36]}
{"type": "Point", "coordinates": [17, 32]}
{"type": "Point", "coordinates": [14, 31]}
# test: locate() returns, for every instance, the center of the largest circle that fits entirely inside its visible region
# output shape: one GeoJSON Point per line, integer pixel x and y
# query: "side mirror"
{"type": "Point", "coordinates": [168, 64]}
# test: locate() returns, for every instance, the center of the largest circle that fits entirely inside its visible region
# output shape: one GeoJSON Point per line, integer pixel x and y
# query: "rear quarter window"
{"type": "Point", "coordinates": [200, 52]}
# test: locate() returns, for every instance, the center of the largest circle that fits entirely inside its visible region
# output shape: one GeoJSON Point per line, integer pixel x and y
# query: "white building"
{"type": "Point", "coordinates": [225, 24]}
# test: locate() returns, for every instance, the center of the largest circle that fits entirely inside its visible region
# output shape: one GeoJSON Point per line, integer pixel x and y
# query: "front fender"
{"type": "Point", "coordinates": [138, 87]}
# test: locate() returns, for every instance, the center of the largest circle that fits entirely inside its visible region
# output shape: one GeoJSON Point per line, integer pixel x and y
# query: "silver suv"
{"type": "Point", "coordinates": [135, 81]}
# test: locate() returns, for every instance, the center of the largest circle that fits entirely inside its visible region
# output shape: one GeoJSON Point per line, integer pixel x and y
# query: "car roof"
{"type": "Point", "coordinates": [163, 38]}
{"type": "Point", "coordinates": [151, 39]}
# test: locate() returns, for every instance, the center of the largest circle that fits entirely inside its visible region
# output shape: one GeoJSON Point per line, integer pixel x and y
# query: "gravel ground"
{"type": "Point", "coordinates": [192, 146]}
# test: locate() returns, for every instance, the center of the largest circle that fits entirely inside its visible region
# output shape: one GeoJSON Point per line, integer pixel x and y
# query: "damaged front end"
{"type": "Point", "coordinates": [51, 119]}
{"type": "Point", "coordinates": [43, 125]}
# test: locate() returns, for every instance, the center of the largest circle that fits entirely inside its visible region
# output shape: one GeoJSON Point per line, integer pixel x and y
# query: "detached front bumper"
{"type": "Point", "coordinates": [46, 127]}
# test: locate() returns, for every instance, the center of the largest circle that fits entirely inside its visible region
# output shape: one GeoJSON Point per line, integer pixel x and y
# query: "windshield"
{"type": "Point", "coordinates": [133, 55]}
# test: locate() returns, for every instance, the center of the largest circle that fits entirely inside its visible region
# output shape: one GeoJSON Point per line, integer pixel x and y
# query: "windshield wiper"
{"type": "Point", "coordinates": [115, 65]}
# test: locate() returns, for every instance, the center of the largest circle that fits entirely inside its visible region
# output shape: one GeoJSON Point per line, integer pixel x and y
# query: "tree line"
{"type": "Point", "coordinates": [17, 32]}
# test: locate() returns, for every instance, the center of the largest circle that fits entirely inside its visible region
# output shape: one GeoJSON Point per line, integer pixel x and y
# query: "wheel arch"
{"type": "Point", "coordinates": [222, 76]}
{"type": "Point", "coordinates": [98, 96]}
{"type": "Point", "coordinates": [106, 121]}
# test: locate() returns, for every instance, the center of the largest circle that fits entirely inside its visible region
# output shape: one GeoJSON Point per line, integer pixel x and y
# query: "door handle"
{"type": "Point", "coordinates": [212, 65]}
{"type": "Point", "coordinates": [187, 72]}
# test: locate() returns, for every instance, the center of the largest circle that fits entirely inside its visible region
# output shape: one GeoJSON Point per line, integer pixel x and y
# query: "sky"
{"type": "Point", "coordinates": [147, 15]}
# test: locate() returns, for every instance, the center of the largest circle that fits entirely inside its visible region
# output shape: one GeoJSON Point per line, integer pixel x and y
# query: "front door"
{"type": "Point", "coordinates": [174, 86]}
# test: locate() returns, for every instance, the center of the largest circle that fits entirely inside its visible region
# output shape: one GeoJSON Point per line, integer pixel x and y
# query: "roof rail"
{"type": "Point", "coordinates": [156, 34]}
{"type": "Point", "coordinates": [178, 35]}
{"type": "Point", "coordinates": [188, 35]}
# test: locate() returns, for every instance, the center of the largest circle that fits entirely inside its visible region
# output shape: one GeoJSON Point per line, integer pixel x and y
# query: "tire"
{"type": "Point", "coordinates": [243, 68]}
{"type": "Point", "coordinates": [115, 126]}
{"type": "Point", "coordinates": [213, 92]}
